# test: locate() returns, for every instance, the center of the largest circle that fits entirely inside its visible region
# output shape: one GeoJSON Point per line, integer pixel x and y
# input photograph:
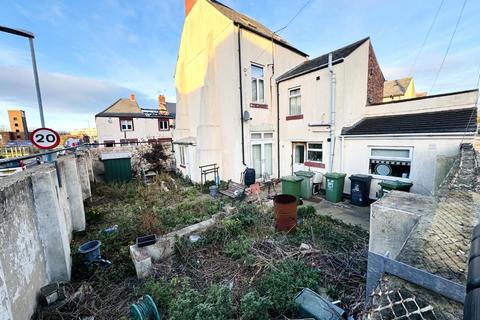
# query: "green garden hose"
{"type": "Point", "coordinates": [145, 309]}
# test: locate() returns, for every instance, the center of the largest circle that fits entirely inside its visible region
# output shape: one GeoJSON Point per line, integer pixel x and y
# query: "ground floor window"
{"type": "Point", "coordinates": [109, 143]}
{"type": "Point", "coordinates": [315, 152]}
{"type": "Point", "coordinates": [390, 162]}
{"type": "Point", "coordinates": [182, 155]}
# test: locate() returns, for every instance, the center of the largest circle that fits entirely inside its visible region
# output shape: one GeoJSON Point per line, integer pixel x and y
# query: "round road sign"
{"type": "Point", "coordinates": [45, 138]}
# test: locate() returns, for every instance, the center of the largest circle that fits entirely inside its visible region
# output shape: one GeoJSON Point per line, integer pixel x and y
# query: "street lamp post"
{"type": "Point", "coordinates": [30, 36]}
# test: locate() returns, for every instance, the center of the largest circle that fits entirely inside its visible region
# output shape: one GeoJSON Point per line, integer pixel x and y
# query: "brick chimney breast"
{"type": "Point", "coordinates": [132, 97]}
{"type": "Point", "coordinates": [188, 6]}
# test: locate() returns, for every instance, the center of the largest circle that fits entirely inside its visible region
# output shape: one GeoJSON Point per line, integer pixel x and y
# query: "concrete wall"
{"type": "Point", "coordinates": [143, 129]}
{"type": "Point", "coordinates": [38, 212]}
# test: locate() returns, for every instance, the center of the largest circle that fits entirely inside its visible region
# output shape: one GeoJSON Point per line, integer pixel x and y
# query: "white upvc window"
{"type": "Point", "coordinates": [163, 125]}
{"type": "Point", "coordinates": [126, 124]}
{"type": "Point", "coordinates": [295, 105]}
{"type": "Point", "coordinates": [391, 161]}
{"type": "Point", "coordinates": [258, 83]}
{"type": "Point", "coordinates": [315, 151]}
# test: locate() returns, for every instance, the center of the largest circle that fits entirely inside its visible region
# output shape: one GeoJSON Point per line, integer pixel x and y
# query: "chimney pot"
{"type": "Point", "coordinates": [132, 97]}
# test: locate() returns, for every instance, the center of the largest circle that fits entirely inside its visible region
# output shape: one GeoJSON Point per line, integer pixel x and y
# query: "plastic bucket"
{"type": "Point", "coordinates": [285, 209]}
{"type": "Point", "coordinates": [90, 251]}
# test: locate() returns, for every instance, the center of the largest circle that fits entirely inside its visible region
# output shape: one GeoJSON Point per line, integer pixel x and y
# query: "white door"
{"type": "Point", "coordinates": [262, 158]}
{"type": "Point", "coordinates": [299, 152]}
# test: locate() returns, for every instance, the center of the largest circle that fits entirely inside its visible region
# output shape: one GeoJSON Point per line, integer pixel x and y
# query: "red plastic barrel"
{"type": "Point", "coordinates": [285, 209]}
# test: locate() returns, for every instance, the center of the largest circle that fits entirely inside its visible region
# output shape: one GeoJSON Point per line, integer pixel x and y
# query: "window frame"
{"type": "Point", "coordinates": [257, 83]}
{"type": "Point", "coordinates": [405, 159]}
{"type": "Point", "coordinates": [307, 159]}
{"type": "Point", "coordinates": [126, 119]}
{"type": "Point", "coordinates": [182, 156]}
{"type": "Point", "coordinates": [160, 121]}
{"type": "Point", "coordinates": [299, 95]}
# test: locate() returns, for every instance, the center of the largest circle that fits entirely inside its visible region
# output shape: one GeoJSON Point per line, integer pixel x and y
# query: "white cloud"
{"type": "Point", "coordinates": [66, 99]}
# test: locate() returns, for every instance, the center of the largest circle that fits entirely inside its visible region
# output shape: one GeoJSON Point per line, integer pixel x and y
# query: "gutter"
{"type": "Point", "coordinates": [438, 134]}
{"type": "Point", "coordinates": [278, 130]}
{"type": "Point", "coordinates": [241, 92]}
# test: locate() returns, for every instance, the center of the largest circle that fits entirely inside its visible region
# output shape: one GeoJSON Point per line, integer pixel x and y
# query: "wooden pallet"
{"type": "Point", "coordinates": [234, 190]}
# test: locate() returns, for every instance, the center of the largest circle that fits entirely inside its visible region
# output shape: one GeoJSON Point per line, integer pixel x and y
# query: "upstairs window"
{"type": "Point", "coordinates": [126, 124]}
{"type": "Point", "coordinates": [391, 162]}
{"type": "Point", "coordinates": [295, 106]}
{"type": "Point", "coordinates": [258, 91]}
{"type": "Point", "coordinates": [163, 125]}
{"type": "Point", "coordinates": [315, 152]}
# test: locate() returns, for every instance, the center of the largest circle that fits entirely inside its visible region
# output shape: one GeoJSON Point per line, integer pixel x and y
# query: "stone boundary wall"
{"type": "Point", "coordinates": [39, 210]}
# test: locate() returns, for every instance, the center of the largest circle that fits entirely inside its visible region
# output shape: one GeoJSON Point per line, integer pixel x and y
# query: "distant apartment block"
{"type": "Point", "coordinates": [124, 122]}
{"type": "Point", "coordinates": [18, 124]}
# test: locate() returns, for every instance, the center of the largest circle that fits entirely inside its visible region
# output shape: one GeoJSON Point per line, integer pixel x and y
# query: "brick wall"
{"type": "Point", "coordinates": [375, 79]}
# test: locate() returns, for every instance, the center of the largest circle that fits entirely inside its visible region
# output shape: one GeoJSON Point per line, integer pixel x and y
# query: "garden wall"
{"type": "Point", "coordinates": [39, 209]}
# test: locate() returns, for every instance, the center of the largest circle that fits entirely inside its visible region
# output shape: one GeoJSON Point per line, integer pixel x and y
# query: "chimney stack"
{"type": "Point", "coordinates": [132, 97]}
{"type": "Point", "coordinates": [162, 105]}
{"type": "Point", "coordinates": [188, 6]}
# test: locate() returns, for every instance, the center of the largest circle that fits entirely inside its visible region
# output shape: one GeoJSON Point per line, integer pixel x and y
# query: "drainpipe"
{"type": "Point", "coordinates": [278, 130]}
{"type": "Point", "coordinates": [332, 112]}
{"type": "Point", "coordinates": [241, 91]}
{"type": "Point", "coordinates": [342, 146]}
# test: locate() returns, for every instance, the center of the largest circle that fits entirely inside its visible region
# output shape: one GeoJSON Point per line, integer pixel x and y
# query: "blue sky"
{"type": "Point", "coordinates": [90, 53]}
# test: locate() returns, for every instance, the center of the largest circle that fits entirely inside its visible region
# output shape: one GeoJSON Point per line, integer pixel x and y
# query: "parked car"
{"type": "Point", "coordinates": [11, 167]}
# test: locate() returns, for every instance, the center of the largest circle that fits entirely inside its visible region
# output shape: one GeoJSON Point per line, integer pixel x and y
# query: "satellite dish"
{"type": "Point", "coordinates": [246, 116]}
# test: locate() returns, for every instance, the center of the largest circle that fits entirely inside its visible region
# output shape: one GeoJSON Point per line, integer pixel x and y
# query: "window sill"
{"type": "Point", "coordinates": [295, 117]}
{"type": "Point", "coordinates": [390, 178]}
{"type": "Point", "coordinates": [258, 105]}
{"type": "Point", "coordinates": [314, 164]}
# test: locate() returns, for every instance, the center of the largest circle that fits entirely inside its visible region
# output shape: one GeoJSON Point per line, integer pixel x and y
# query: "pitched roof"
{"type": "Point", "coordinates": [322, 61]}
{"type": "Point", "coordinates": [458, 120]}
{"type": "Point", "coordinates": [252, 25]}
{"type": "Point", "coordinates": [396, 87]}
{"type": "Point", "coordinates": [121, 106]}
{"type": "Point", "coordinates": [131, 109]}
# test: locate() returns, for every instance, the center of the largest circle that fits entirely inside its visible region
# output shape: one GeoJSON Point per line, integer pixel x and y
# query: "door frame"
{"type": "Point", "coordinates": [294, 144]}
{"type": "Point", "coordinates": [262, 141]}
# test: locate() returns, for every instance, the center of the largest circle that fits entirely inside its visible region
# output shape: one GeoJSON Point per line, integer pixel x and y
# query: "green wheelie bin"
{"type": "Point", "coordinates": [292, 185]}
{"type": "Point", "coordinates": [307, 183]}
{"type": "Point", "coordinates": [388, 185]}
{"type": "Point", "coordinates": [334, 187]}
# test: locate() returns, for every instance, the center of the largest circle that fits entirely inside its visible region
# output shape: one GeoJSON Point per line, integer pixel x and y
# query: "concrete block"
{"type": "Point", "coordinates": [21, 260]}
{"type": "Point", "coordinates": [83, 175]}
{"type": "Point", "coordinates": [144, 257]}
{"type": "Point", "coordinates": [51, 223]}
{"type": "Point", "coordinates": [74, 191]}
{"type": "Point", "coordinates": [392, 219]}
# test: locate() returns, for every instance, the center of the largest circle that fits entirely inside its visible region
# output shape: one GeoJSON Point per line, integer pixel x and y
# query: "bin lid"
{"type": "Point", "coordinates": [291, 179]}
{"type": "Point", "coordinates": [116, 155]}
{"type": "Point", "coordinates": [395, 184]}
{"type": "Point", "coordinates": [335, 175]}
{"type": "Point", "coordinates": [303, 173]}
{"type": "Point", "coordinates": [360, 177]}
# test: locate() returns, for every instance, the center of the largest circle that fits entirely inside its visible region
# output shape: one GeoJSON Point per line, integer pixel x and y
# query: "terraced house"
{"type": "Point", "coordinates": [248, 98]}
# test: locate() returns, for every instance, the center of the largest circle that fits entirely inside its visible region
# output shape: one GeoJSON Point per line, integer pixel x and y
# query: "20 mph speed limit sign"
{"type": "Point", "coordinates": [45, 138]}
